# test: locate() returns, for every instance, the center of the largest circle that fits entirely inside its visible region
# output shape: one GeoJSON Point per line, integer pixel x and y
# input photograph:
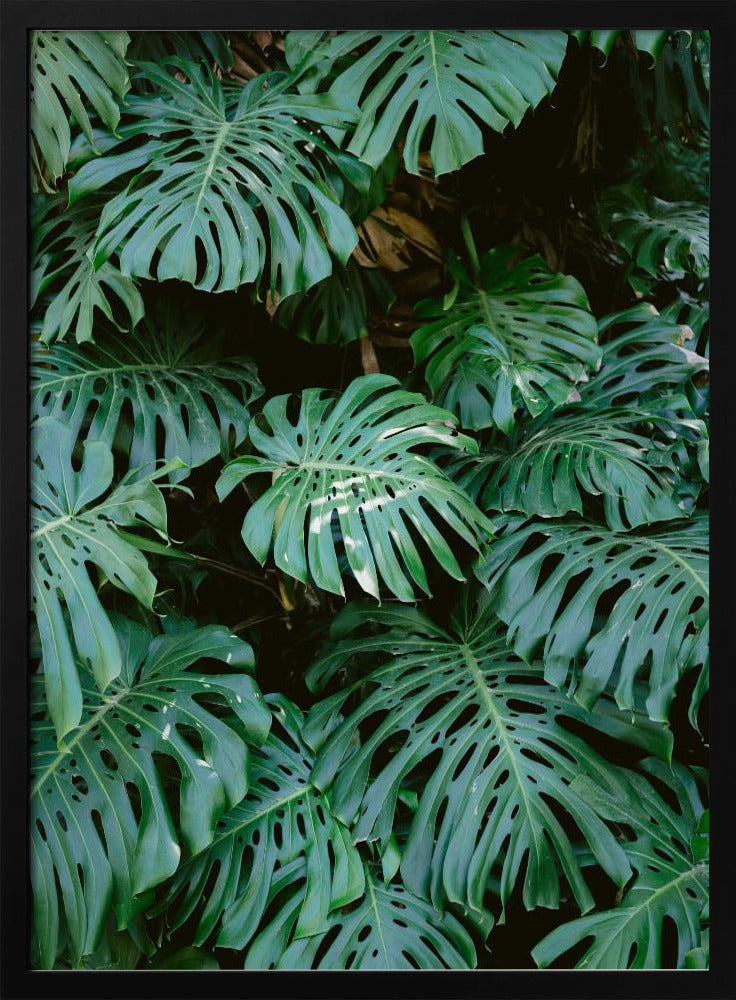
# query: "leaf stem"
{"type": "Point", "coordinates": [470, 244]}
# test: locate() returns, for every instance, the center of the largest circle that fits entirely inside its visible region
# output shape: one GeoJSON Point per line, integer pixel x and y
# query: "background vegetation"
{"type": "Point", "coordinates": [369, 500]}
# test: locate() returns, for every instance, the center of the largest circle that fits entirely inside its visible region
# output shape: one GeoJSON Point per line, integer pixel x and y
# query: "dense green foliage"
{"type": "Point", "coordinates": [370, 594]}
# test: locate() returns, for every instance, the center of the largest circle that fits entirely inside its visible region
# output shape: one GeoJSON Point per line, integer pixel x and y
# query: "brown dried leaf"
{"type": "Point", "coordinates": [417, 232]}
{"type": "Point", "coordinates": [387, 236]}
{"type": "Point", "coordinates": [262, 38]}
{"type": "Point", "coordinates": [242, 69]}
{"type": "Point", "coordinates": [377, 247]}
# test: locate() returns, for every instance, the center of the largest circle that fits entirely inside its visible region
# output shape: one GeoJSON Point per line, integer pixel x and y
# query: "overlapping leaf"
{"type": "Point", "coordinates": [168, 372]}
{"type": "Point", "coordinates": [503, 758]}
{"type": "Point", "coordinates": [75, 545]}
{"type": "Point", "coordinates": [651, 41]}
{"type": "Point", "coordinates": [672, 99]}
{"type": "Point", "coordinates": [63, 273]}
{"type": "Point", "coordinates": [443, 81]}
{"type": "Point", "coordinates": [390, 928]}
{"type": "Point", "coordinates": [102, 830]}
{"type": "Point", "coordinates": [282, 818]}
{"type": "Point", "coordinates": [645, 356]}
{"type": "Point", "coordinates": [604, 608]}
{"type": "Point", "coordinates": [228, 184]}
{"type": "Point", "coordinates": [649, 386]}
{"type": "Point", "coordinates": [671, 880]}
{"type": "Point", "coordinates": [335, 311]}
{"type": "Point", "coordinates": [515, 337]}
{"type": "Point", "coordinates": [157, 46]}
{"type": "Point", "coordinates": [77, 74]}
{"type": "Point", "coordinates": [595, 453]}
{"type": "Point", "coordinates": [350, 463]}
{"type": "Point", "coordinates": [664, 239]}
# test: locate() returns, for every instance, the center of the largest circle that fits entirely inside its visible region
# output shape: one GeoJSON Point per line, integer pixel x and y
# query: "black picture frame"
{"type": "Point", "coordinates": [17, 18]}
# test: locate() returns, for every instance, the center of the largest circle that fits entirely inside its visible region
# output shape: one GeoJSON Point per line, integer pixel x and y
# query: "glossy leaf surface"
{"type": "Point", "coordinates": [447, 80]}
{"type": "Point", "coordinates": [75, 543]}
{"type": "Point", "coordinates": [102, 828]}
{"type": "Point", "coordinates": [671, 883]}
{"type": "Point", "coordinates": [185, 399]}
{"type": "Point", "coordinates": [609, 607]}
{"type": "Point", "coordinates": [224, 188]}
{"type": "Point", "coordinates": [503, 764]}
{"type": "Point", "coordinates": [352, 463]}
{"type": "Point", "coordinates": [517, 337]}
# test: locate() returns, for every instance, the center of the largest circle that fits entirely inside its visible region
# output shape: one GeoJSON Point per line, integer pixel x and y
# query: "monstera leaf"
{"type": "Point", "coordinates": [516, 336]}
{"type": "Point", "coordinates": [335, 311]}
{"type": "Point", "coordinates": [603, 607]}
{"type": "Point", "coordinates": [671, 880]}
{"type": "Point", "coordinates": [282, 818]}
{"type": "Point", "coordinates": [64, 273]}
{"type": "Point", "coordinates": [672, 98]}
{"type": "Point", "coordinates": [77, 72]}
{"type": "Point", "coordinates": [219, 168]}
{"type": "Point", "coordinates": [168, 372]}
{"type": "Point", "coordinates": [561, 460]}
{"type": "Point", "coordinates": [664, 239]}
{"type": "Point", "coordinates": [389, 928]}
{"type": "Point", "coordinates": [158, 46]}
{"type": "Point", "coordinates": [102, 831]}
{"type": "Point", "coordinates": [503, 759]}
{"type": "Point", "coordinates": [117, 949]}
{"type": "Point", "coordinates": [74, 521]}
{"type": "Point", "coordinates": [652, 41]}
{"type": "Point", "coordinates": [445, 81]}
{"type": "Point", "coordinates": [644, 358]}
{"type": "Point", "coordinates": [350, 464]}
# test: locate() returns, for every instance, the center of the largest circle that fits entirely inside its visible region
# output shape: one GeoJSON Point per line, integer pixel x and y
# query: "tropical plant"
{"type": "Point", "coordinates": [167, 374]}
{"type": "Point", "coordinates": [73, 74]}
{"type": "Point", "coordinates": [353, 462]}
{"type": "Point", "coordinates": [370, 594]}
{"type": "Point", "coordinates": [513, 337]}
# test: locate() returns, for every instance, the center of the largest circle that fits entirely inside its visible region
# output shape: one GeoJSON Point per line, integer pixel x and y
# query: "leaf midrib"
{"type": "Point", "coordinates": [89, 724]}
{"type": "Point", "coordinates": [498, 720]}
{"type": "Point", "coordinates": [448, 130]}
{"type": "Point", "coordinates": [174, 369]}
{"type": "Point", "coordinates": [632, 912]}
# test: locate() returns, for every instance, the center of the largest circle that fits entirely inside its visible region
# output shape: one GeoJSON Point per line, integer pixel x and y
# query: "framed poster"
{"type": "Point", "coordinates": [364, 625]}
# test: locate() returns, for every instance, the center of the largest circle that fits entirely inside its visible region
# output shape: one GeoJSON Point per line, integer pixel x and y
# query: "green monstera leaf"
{"type": "Point", "coordinates": [664, 239]}
{"type": "Point", "coordinates": [195, 46]}
{"type": "Point", "coordinates": [651, 41]}
{"type": "Point", "coordinates": [512, 337]}
{"type": "Point", "coordinates": [282, 818]}
{"type": "Point", "coordinates": [228, 182]}
{"type": "Point", "coordinates": [117, 949]}
{"type": "Point", "coordinates": [388, 928]}
{"type": "Point", "coordinates": [169, 372]}
{"type": "Point", "coordinates": [102, 831]}
{"type": "Point", "coordinates": [503, 757]}
{"type": "Point", "coordinates": [350, 464]}
{"type": "Point", "coordinates": [335, 311]}
{"type": "Point", "coordinates": [72, 292]}
{"type": "Point", "coordinates": [77, 72]}
{"type": "Point", "coordinates": [603, 607]}
{"type": "Point", "coordinates": [645, 357]}
{"type": "Point", "coordinates": [443, 80]}
{"type": "Point", "coordinates": [74, 522]}
{"type": "Point", "coordinates": [560, 461]}
{"type": "Point", "coordinates": [672, 880]}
